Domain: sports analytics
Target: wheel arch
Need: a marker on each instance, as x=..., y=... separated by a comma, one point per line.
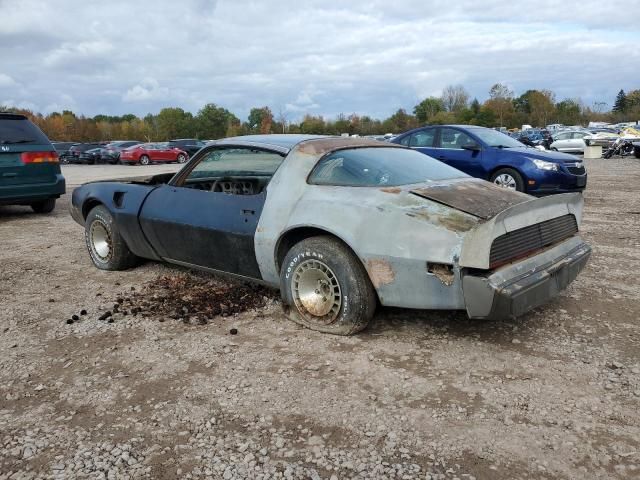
x=510, y=166
x=89, y=204
x=295, y=235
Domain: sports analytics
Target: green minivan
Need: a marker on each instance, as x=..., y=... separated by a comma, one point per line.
x=29, y=169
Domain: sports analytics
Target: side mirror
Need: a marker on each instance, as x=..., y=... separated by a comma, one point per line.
x=471, y=146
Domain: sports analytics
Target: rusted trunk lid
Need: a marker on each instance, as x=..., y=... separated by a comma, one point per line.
x=475, y=197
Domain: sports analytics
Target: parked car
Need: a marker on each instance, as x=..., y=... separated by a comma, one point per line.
x=570, y=141
x=91, y=157
x=490, y=155
x=340, y=224
x=29, y=169
x=79, y=148
x=189, y=145
x=111, y=153
x=62, y=149
x=145, y=153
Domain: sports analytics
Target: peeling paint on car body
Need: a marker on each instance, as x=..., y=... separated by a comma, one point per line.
x=380, y=271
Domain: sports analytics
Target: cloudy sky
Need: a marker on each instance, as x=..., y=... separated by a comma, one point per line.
x=317, y=56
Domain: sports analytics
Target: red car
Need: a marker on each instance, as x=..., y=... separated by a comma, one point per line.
x=145, y=153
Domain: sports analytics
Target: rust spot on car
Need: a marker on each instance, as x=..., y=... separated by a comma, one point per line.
x=457, y=222
x=476, y=197
x=444, y=273
x=380, y=272
x=391, y=190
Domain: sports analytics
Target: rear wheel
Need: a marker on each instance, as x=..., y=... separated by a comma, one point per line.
x=144, y=160
x=508, y=178
x=107, y=249
x=326, y=288
x=44, y=206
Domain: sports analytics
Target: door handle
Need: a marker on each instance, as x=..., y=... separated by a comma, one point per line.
x=248, y=212
x=440, y=157
x=10, y=175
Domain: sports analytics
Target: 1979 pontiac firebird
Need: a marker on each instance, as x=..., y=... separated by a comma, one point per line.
x=340, y=225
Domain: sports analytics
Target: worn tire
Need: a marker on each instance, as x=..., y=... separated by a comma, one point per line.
x=44, y=206
x=357, y=296
x=145, y=160
x=514, y=174
x=117, y=256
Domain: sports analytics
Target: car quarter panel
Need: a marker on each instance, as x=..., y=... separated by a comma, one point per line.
x=124, y=201
x=393, y=232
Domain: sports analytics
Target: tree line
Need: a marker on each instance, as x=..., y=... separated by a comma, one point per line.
x=501, y=109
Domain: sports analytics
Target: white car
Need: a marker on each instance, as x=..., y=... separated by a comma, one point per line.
x=571, y=141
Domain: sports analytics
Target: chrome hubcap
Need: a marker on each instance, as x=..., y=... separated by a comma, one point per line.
x=316, y=292
x=144, y=160
x=100, y=241
x=505, y=180
x=181, y=158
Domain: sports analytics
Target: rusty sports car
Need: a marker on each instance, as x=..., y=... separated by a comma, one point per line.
x=341, y=225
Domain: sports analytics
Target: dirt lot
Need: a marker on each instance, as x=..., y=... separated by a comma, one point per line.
x=555, y=394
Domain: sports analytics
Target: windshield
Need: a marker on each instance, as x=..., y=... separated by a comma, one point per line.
x=379, y=166
x=493, y=138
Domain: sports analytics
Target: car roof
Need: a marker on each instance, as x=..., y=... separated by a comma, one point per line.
x=12, y=116
x=279, y=141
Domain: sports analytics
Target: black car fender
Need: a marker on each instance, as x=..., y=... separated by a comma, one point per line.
x=124, y=201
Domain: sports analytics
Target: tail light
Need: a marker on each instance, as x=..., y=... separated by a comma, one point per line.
x=39, y=157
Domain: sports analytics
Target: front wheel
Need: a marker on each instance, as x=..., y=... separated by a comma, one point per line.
x=325, y=287
x=182, y=158
x=44, y=206
x=144, y=160
x=107, y=249
x=508, y=178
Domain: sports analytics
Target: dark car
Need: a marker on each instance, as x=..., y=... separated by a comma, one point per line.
x=93, y=156
x=111, y=151
x=79, y=148
x=496, y=157
x=62, y=148
x=189, y=145
x=29, y=169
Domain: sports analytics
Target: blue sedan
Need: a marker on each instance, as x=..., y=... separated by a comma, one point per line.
x=491, y=155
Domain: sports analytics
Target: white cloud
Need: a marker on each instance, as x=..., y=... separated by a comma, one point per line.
x=78, y=52
x=148, y=89
x=6, y=80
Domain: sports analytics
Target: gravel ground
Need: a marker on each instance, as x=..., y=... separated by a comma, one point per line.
x=554, y=394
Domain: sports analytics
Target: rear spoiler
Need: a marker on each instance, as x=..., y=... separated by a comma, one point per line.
x=477, y=243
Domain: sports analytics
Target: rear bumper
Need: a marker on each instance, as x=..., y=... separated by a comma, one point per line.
x=20, y=194
x=517, y=288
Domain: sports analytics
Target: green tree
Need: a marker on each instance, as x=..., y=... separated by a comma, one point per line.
x=213, y=121
x=569, y=112
x=400, y=121
x=260, y=120
x=427, y=108
x=174, y=123
x=620, y=105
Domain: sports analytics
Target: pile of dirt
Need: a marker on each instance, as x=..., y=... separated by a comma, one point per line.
x=193, y=298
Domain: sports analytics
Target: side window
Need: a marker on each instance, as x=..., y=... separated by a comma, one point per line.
x=241, y=171
x=452, y=138
x=561, y=136
x=405, y=140
x=579, y=135
x=424, y=138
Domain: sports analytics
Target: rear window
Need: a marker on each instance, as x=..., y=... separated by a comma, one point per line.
x=16, y=130
x=377, y=167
